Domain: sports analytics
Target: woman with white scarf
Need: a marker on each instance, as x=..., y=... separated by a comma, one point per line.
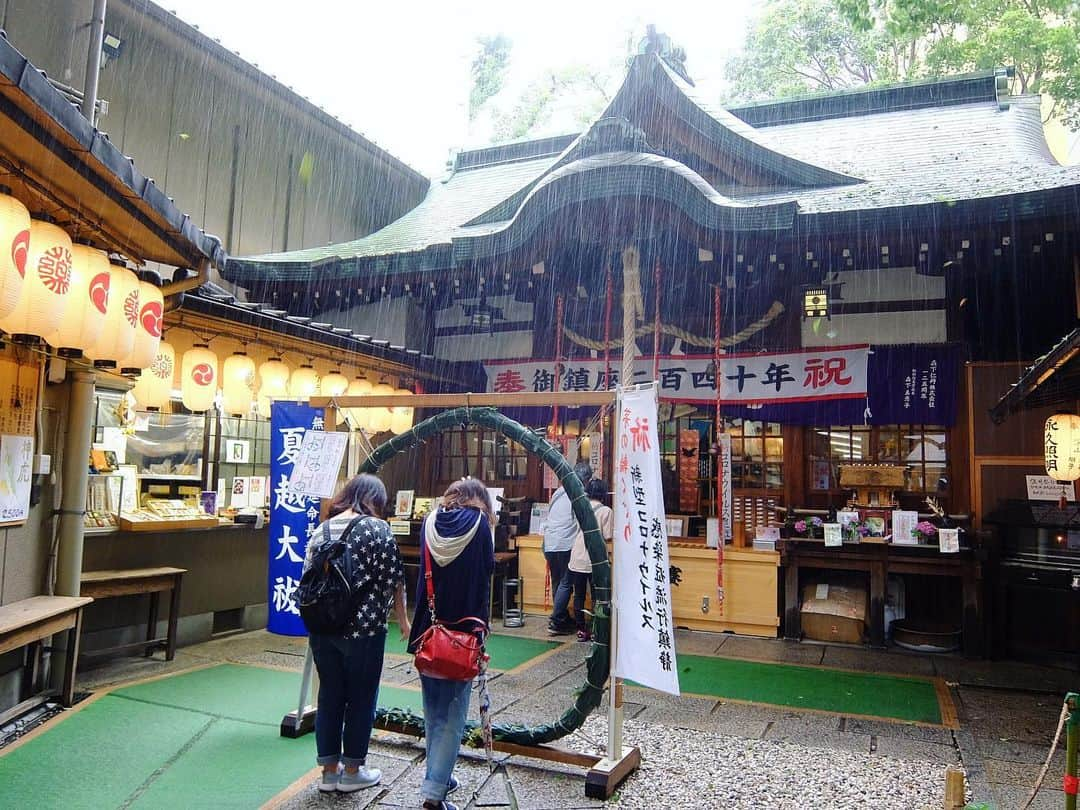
x=459, y=537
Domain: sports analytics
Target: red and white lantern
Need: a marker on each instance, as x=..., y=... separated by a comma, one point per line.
x=14, y=246
x=121, y=318
x=153, y=389
x=147, y=329
x=83, y=319
x=45, y=284
x=198, y=378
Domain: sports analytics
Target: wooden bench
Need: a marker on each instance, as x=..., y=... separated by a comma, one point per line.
x=127, y=582
x=27, y=623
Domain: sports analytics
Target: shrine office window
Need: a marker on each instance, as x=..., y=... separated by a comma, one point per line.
x=483, y=454
x=757, y=454
x=923, y=449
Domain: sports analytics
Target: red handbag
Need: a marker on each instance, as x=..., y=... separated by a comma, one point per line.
x=454, y=655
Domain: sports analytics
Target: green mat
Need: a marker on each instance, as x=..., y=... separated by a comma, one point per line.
x=207, y=738
x=506, y=652
x=866, y=693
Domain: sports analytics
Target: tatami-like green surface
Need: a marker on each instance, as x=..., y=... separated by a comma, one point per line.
x=891, y=697
x=207, y=738
x=506, y=652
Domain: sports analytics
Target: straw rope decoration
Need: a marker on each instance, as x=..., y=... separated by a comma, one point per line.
x=598, y=661
x=678, y=332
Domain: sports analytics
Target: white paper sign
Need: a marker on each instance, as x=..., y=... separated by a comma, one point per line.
x=1045, y=488
x=237, y=451
x=845, y=517
x=538, y=518
x=948, y=541
x=318, y=463
x=16, y=467
x=238, y=498
x=257, y=490
x=833, y=536
x=724, y=460
x=903, y=526
x=645, y=638
x=712, y=532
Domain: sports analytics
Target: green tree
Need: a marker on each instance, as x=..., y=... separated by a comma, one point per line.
x=577, y=90
x=488, y=70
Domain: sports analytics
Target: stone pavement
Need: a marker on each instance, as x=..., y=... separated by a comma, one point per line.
x=1008, y=713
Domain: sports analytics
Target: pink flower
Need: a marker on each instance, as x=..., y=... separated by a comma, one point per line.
x=926, y=528
x=800, y=526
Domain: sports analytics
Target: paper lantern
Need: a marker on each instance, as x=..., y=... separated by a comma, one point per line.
x=83, y=319
x=45, y=284
x=401, y=417
x=273, y=384
x=379, y=418
x=360, y=386
x=198, y=378
x=121, y=318
x=238, y=384
x=14, y=245
x=333, y=384
x=1061, y=447
x=147, y=329
x=154, y=387
x=304, y=383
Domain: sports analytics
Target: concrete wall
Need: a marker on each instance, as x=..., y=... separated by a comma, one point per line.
x=224, y=140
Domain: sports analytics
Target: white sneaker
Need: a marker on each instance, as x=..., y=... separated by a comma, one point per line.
x=329, y=781
x=363, y=778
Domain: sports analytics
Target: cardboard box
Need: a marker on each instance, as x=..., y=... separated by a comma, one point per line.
x=834, y=613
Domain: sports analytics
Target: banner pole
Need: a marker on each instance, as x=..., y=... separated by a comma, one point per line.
x=615, y=690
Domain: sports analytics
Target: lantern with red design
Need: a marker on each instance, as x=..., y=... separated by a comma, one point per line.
x=14, y=245
x=198, y=378
x=121, y=317
x=83, y=319
x=147, y=329
x=45, y=284
x=154, y=387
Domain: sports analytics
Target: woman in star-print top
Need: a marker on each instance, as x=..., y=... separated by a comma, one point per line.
x=350, y=663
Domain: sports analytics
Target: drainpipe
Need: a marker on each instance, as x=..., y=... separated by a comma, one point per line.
x=73, y=481
x=93, y=61
x=202, y=276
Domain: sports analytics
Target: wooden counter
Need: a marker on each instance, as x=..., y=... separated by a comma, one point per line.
x=750, y=586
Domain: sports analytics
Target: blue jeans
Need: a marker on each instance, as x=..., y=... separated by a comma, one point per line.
x=580, y=581
x=349, y=671
x=446, y=706
x=558, y=562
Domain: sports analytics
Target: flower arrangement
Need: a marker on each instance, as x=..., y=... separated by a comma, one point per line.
x=925, y=531
x=805, y=528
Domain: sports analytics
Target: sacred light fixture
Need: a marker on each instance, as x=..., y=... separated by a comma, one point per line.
x=45, y=284
x=379, y=418
x=304, y=382
x=359, y=387
x=83, y=318
x=154, y=387
x=237, y=384
x=198, y=378
x=121, y=318
x=1061, y=446
x=401, y=417
x=147, y=329
x=273, y=384
x=14, y=245
x=815, y=302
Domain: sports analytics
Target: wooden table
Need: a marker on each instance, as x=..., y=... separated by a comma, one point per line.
x=152, y=581
x=878, y=560
x=27, y=623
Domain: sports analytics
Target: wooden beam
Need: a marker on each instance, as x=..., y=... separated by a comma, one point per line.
x=564, y=399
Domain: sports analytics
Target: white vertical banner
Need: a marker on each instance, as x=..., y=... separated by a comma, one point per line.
x=723, y=458
x=644, y=633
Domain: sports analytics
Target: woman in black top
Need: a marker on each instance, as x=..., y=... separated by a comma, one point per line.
x=458, y=536
x=350, y=663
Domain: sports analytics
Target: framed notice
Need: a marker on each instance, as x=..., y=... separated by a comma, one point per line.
x=257, y=491
x=317, y=464
x=833, y=534
x=903, y=526
x=237, y=451
x=1045, y=488
x=948, y=541
x=238, y=499
x=403, y=503
x=16, y=466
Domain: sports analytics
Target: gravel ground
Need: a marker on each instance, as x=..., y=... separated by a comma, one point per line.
x=690, y=768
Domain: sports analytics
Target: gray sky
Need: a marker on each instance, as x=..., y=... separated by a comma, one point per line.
x=398, y=70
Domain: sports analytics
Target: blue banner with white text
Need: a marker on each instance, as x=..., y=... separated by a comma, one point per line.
x=293, y=518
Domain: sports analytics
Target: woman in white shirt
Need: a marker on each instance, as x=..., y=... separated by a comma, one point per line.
x=580, y=566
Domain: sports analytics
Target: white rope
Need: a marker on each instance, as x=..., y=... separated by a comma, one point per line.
x=1046, y=765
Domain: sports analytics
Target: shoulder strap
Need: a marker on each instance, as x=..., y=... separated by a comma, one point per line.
x=428, y=583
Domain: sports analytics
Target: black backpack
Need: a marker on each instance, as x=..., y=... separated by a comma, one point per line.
x=325, y=594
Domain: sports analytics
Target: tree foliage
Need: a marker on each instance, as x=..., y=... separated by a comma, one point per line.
x=805, y=45
x=488, y=70
x=577, y=91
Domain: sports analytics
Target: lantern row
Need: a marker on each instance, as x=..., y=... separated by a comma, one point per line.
x=72, y=295
x=243, y=386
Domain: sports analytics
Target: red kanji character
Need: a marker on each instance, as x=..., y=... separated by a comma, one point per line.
x=509, y=382
x=54, y=269
x=640, y=433
x=823, y=371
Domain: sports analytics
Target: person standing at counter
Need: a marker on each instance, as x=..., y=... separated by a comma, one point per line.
x=559, y=533
x=580, y=567
x=458, y=539
x=350, y=662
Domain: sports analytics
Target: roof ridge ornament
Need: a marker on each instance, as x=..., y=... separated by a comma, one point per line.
x=660, y=44
x=613, y=134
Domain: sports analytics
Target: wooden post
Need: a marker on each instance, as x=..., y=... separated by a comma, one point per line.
x=607, y=328
x=954, y=789
x=558, y=360
x=656, y=323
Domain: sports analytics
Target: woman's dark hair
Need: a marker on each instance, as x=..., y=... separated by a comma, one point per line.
x=469, y=492
x=597, y=490
x=364, y=494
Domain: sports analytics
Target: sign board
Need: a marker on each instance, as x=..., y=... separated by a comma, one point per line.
x=238, y=497
x=538, y=518
x=903, y=526
x=318, y=463
x=645, y=638
x=293, y=515
x=237, y=451
x=833, y=535
x=949, y=541
x=16, y=467
x=1045, y=488
x=723, y=458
